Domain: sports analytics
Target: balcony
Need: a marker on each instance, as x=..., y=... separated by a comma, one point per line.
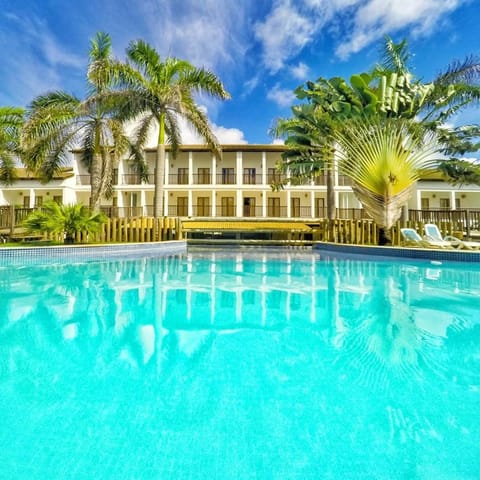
x=226, y=178
x=131, y=179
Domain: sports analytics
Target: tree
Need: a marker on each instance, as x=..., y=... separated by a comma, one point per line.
x=58, y=121
x=384, y=159
x=68, y=220
x=309, y=149
x=11, y=121
x=388, y=92
x=157, y=92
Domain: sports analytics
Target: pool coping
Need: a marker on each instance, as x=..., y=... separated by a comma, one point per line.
x=398, y=252
x=25, y=255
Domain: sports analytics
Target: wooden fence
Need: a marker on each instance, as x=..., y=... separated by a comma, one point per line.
x=136, y=229
x=365, y=232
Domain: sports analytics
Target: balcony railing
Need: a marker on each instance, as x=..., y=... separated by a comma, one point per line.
x=131, y=179
x=275, y=178
x=226, y=178
x=202, y=178
x=178, y=178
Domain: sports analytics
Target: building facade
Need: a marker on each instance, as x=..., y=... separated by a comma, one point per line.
x=239, y=186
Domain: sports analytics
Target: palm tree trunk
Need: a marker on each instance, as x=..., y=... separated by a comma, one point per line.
x=95, y=182
x=159, y=176
x=331, y=207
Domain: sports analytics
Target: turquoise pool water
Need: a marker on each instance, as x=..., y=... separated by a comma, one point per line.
x=240, y=365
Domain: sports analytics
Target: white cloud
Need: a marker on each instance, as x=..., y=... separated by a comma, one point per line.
x=283, y=34
x=225, y=136
x=378, y=17
x=300, y=71
x=290, y=26
x=281, y=96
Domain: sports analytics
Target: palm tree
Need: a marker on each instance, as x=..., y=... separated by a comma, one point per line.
x=157, y=92
x=309, y=149
x=67, y=220
x=384, y=159
x=59, y=121
x=389, y=92
x=11, y=120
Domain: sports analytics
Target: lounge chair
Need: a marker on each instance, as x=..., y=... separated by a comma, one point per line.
x=413, y=239
x=432, y=232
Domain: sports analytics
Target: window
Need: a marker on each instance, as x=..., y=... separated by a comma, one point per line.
x=182, y=176
x=445, y=203
x=249, y=207
x=295, y=207
x=58, y=199
x=227, y=207
x=273, y=207
x=228, y=176
x=26, y=201
x=273, y=175
x=182, y=206
x=320, y=208
x=38, y=201
x=203, y=206
x=425, y=204
x=204, y=176
x=458, y=204
x=249, y=176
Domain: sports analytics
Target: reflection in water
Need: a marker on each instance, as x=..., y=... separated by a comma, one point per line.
x=330, y=361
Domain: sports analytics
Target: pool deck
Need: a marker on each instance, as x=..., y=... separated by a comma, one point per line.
x=398, y=252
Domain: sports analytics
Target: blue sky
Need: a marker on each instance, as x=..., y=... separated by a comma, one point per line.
x=260, y=49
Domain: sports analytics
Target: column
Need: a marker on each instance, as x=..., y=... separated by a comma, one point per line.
x=264, y=170
x=312, y=204
x=166, y=199
x=264, y=204
x=289, y=204
x=143, y=203
x=239, y=168
x=190, y=169
x=214, y=170
x=239, y=203
x=214, y=203
x=167, y=168
x=190, y=202
x=418, y=205
x=453, y=203
x=31, y=192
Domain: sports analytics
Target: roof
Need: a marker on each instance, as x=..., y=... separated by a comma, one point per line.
x=242, y=226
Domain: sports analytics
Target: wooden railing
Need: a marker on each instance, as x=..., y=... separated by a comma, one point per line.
x=135, y=229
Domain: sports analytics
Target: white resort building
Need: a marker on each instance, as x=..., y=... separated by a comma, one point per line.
x=239, y=186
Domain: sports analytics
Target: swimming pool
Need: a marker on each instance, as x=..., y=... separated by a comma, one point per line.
x=240, y=364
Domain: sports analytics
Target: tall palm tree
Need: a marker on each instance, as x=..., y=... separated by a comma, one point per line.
x=11, y=121
x=59, y=121
x=309, y=148
x=160, y=92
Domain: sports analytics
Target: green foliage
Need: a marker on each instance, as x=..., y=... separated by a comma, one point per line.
x=57, y=122
x=388, y=95
x=384, y=159
x=461, y=172
x=11, y=121
x=67, y=220
x=159, y=93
